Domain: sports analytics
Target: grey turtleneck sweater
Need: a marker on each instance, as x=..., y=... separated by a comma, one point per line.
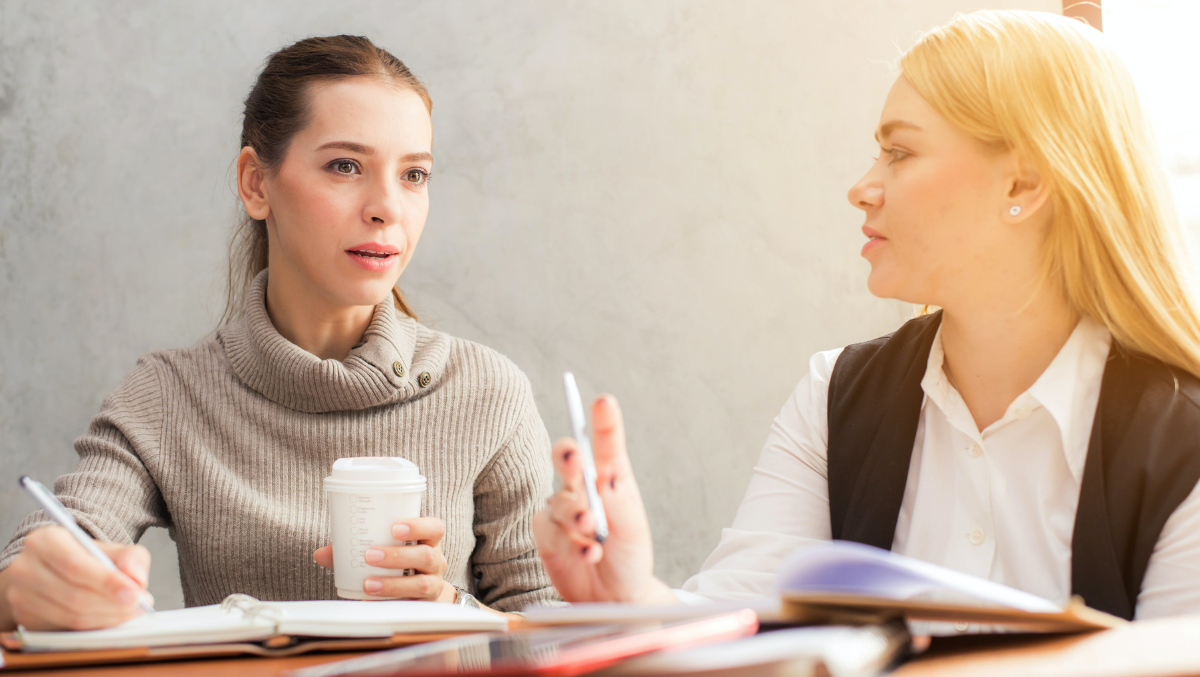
x=226, y=443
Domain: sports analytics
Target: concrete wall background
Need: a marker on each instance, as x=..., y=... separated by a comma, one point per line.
x=649, y=194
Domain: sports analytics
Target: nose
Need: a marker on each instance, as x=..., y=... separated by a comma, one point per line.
x=384, y=203
x=867, y=193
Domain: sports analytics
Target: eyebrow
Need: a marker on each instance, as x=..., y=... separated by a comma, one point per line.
x=367, y=150
x=886, y=129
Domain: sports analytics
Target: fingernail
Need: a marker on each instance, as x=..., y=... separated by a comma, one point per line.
x=374, y=555
x=372, y=585
x=399, y=531
x=126, y=596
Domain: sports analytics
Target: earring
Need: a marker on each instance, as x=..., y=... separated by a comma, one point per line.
x=1014, y=210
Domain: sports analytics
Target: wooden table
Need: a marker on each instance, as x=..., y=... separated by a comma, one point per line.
x=1169, y=647
x=194, y=668
x=1159, y=648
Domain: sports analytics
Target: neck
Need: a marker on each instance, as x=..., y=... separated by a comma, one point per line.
x=310, y=320
x=996, y=349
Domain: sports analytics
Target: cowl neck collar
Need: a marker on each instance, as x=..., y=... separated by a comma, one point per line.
x=378, y=371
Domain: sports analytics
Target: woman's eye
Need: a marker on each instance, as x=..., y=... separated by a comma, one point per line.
x=895, y=153
x=416, y=176
x=344, y=166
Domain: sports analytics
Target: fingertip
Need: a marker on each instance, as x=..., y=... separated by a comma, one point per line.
x=606, y=413
x=592, y=552
x=564, y=449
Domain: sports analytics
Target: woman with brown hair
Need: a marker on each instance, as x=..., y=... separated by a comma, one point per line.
x=318, y=357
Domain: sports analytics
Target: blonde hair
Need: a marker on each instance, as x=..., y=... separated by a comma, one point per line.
x=1048, y=88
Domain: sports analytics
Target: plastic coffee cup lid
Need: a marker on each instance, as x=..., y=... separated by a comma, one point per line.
x=375, y=472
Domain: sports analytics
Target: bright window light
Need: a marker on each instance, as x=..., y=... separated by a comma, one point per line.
x=1157, y=40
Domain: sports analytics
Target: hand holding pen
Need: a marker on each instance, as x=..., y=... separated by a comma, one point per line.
x=62, y=579
x=621, y=568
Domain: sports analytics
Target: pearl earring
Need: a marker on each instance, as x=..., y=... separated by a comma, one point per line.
x=1014, y=210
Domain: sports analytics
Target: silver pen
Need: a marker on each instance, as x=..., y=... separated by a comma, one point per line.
x=58, y=512
x=578, y=425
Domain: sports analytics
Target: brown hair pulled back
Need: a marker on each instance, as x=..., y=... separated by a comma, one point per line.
x=276, y=109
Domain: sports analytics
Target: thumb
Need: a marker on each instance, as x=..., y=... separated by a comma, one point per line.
x=133, y=560
x=324, y=556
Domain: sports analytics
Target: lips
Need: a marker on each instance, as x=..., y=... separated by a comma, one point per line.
x=874, y=239
x=872, y=234
x=374, y=256
x=370, y=254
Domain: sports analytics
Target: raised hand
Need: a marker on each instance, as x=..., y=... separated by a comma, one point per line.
x=622, y=568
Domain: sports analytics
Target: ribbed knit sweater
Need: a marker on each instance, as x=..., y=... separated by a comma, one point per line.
x=226, y=444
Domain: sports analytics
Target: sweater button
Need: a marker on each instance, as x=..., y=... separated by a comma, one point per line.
x=398, y=368
x=424, y=379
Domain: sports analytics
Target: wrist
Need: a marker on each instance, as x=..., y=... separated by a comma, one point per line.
x=7, y=622
x=449, y=594
x=655, y=592
x=465, y=599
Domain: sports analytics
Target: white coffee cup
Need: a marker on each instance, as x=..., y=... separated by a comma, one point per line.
x=366, y=497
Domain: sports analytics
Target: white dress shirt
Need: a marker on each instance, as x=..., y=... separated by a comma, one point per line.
x=999, y=503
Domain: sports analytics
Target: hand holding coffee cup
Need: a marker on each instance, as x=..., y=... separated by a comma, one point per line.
x=382, y=548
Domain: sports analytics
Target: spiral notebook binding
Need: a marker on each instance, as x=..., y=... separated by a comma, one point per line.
x=253, y=609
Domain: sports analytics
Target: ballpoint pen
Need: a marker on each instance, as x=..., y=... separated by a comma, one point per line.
x=578, y=424
x=58, y=512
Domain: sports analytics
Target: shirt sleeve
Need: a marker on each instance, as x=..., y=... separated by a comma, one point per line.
x=787, y=502
x=1171, y=586
x=111, y=493
x=508, y=493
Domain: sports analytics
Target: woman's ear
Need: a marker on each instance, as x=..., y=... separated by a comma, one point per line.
x=1027, y=191
x=251, y=186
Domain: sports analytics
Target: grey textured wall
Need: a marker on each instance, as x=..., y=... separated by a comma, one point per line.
x=648, y=193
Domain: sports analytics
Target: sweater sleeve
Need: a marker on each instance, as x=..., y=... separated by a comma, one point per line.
x=111, y=493
x=508, y=493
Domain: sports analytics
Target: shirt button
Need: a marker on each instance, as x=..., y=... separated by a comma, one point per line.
x=424, y=379
x=398, y=368
x=961, y=626
x=976, y=536
x=975, y=451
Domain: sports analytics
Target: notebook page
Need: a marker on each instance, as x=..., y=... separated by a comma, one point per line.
x=350, y=618
x=198, y=625
x=856, y=569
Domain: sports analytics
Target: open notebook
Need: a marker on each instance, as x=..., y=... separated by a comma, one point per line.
x=842, y=581
x=242, y=624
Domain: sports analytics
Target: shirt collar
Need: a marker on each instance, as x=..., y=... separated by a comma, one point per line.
x=1069, y=390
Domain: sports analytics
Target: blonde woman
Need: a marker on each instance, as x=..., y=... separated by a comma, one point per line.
x=1042, y=429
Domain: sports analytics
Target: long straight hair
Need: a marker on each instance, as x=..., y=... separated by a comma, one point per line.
x=276, y=109
x=1051, y=90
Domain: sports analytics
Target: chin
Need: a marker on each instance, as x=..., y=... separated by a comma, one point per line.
x=879, y=284
x=364, y=293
